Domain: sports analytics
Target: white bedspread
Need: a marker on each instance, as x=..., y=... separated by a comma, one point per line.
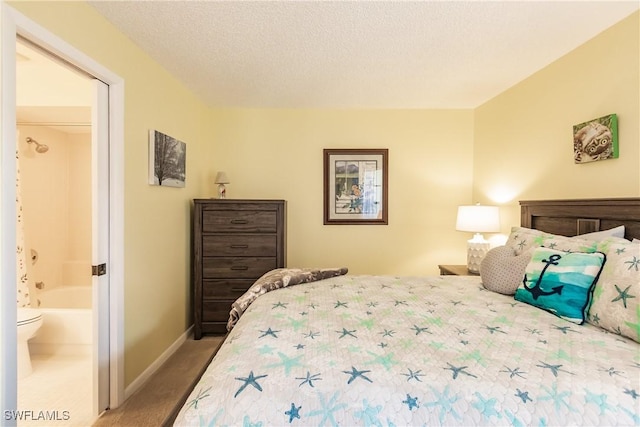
x=441, y=350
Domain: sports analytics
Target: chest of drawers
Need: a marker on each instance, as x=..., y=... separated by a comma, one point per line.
x=234, y=243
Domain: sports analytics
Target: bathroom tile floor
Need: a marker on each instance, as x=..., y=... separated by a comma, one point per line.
x=57, y=393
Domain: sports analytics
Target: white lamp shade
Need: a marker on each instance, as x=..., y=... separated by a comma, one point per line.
x=478, y=219
x=221, y=178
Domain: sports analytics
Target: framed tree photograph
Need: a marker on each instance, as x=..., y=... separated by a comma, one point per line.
x=167, y=158
x=355, y=186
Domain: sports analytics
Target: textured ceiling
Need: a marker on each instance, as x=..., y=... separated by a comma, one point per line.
x=357, y=54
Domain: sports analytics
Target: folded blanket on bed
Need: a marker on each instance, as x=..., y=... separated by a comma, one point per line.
x=276, y=279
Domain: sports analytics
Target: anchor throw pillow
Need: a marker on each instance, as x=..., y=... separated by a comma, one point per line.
x=561, y=282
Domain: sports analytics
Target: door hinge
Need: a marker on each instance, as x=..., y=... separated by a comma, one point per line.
x=99, y=270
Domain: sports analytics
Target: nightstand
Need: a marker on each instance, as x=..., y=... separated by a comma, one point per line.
x=455, y=270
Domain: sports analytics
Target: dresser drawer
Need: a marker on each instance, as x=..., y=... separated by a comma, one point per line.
x=216, y=310
x=225, y=288
x=235, y=241
x=251, y=221
x=239, y=244
x=236, y=267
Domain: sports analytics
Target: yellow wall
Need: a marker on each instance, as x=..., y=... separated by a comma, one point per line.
x=157, y=219
x=278, y=154
x=523, y=146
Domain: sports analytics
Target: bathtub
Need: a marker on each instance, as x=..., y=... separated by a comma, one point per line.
x=67, y=322
x=65, y=297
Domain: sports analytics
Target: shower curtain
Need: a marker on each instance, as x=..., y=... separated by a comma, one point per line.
x=23, y=298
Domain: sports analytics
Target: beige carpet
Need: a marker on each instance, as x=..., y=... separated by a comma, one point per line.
x=157, y=403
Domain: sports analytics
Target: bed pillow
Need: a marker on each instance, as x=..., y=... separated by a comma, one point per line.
x=616, y=296
x=502, y=270
x=612, y=232
x=523, y=239
x=561, y=282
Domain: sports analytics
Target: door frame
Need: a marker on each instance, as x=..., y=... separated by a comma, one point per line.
x=15, y=24
x=100, y=244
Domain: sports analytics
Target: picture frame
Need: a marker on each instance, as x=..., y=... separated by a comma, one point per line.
x=356, y=189
x=596, y=140
x=167, y=160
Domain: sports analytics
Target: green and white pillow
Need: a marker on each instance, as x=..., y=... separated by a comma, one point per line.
x=503, y=268
x=523, y=239
x=561, y=282
x=616, y=297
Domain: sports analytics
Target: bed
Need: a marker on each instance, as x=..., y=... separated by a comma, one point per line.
x=442, y=350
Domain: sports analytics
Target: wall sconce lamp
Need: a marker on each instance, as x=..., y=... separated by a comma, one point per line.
x=477, y=219
x=221, y=180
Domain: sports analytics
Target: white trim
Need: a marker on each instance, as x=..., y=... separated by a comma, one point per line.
x=142, y=379
x=116, y=242
x=8, y=306
x=14, y=23
x=100, y=198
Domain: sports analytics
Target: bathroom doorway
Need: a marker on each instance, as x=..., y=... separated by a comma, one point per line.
x=108, y=135
x=54, y=162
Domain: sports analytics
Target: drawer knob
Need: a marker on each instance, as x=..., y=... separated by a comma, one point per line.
x=239, y=246
x=239, y=221
x=239, y=267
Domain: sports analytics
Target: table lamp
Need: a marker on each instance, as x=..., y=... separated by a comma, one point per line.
x=221, y=180
x=477, y=219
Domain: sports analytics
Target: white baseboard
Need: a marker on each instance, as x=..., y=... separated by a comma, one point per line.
x=148, y=373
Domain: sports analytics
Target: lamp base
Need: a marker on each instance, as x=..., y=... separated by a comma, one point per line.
x=477, y=249
x=222, y=191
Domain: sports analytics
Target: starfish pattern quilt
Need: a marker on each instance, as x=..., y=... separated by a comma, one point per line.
x=412, y=351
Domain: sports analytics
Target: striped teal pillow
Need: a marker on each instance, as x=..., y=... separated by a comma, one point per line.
x=561, y=282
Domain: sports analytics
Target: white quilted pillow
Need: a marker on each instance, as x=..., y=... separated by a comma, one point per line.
x=612, y=232
x=502, y=270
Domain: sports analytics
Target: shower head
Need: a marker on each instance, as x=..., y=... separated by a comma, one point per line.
x=40, y=148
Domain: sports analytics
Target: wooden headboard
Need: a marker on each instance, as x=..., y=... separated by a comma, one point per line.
x=572, y=217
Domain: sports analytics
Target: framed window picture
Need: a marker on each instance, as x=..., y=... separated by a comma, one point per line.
x=356, y=186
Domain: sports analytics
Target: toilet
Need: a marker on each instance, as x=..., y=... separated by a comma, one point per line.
x=29, y=321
